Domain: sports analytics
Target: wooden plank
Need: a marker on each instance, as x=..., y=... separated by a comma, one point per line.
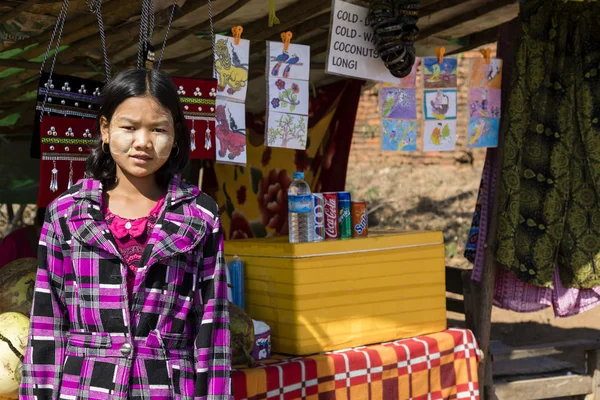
x=454, y=282
x=476, y=40
x=465, y=17
x=530, y=366
x=15, y=11
x=544, y=388
x=490, y=20
x=427, y=10
x=547, y=349
x=30, y=65
x=455, y=305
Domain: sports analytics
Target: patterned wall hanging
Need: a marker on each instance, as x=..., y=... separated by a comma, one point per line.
x=484, y=101
x=65, y=143
x=398, y=106
x=198, y=101
x=68, y=96
x=287, y=71
x=439, y=102
x=232, y=56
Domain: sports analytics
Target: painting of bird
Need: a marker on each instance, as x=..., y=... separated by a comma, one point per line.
x=294, y=60
x=280, y=59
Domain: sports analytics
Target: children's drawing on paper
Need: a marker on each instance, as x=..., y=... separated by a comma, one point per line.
x=483, y=132
x=288, y=95
x=231, y=132
x=410, y=81
x=291, y=63
x=231, y=67
x=440, y=135
x=287, y=130
x=484, y=75
x=398, y=135
x=436, y=75
x=484, y=103
x=398, y=103
x=440, y=104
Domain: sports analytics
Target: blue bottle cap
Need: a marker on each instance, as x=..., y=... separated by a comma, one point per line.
x=299, y=175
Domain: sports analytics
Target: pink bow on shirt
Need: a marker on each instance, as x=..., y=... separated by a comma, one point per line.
x=122, y=227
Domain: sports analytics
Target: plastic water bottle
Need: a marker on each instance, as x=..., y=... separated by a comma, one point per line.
x=300, y=210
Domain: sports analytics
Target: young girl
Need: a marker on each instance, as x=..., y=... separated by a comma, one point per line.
x=131, y=293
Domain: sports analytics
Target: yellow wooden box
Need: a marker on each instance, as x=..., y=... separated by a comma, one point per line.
x=338, y=294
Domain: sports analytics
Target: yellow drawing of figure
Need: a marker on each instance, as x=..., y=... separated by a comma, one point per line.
x=436, y=71
x=479, y=129
x=229, y=72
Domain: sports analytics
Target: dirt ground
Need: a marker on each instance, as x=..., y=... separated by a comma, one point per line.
x=442, y=197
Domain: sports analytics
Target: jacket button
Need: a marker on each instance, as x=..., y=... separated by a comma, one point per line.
x=126, y=349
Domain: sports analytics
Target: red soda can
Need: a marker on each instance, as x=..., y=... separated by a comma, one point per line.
x=331, y=212
x=360, y=219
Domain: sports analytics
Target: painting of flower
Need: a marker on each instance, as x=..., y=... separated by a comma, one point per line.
x=288, y=95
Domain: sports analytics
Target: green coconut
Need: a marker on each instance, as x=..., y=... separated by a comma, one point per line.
x=242, y=336
x=17, y=284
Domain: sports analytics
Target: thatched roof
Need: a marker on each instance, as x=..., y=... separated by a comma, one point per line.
x=458, y=25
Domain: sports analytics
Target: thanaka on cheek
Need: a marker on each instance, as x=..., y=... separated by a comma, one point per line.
x=163, y=145
x=121, y=142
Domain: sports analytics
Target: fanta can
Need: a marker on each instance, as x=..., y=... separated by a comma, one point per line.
x=360, y=219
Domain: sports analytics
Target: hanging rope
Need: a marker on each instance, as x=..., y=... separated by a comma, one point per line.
x=63, y=10
x=95, y=8
x=212, y=34
x=60, y=24
x=146, y=31
x=167, y=33
x=142, y=37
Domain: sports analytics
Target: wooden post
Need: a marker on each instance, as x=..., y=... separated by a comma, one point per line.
x=593, y=370
x=509, y=37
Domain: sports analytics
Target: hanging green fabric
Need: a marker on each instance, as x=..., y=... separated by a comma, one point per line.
x=550, y=188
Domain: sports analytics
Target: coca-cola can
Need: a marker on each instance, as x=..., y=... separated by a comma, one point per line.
x=331, y=211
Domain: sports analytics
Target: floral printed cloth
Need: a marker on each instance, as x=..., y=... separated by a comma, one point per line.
x=549, y=211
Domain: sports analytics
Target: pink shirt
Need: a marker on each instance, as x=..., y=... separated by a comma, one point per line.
x=131, y=236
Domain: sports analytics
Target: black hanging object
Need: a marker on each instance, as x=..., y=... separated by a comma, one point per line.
x=149, y=56
x=395, y=25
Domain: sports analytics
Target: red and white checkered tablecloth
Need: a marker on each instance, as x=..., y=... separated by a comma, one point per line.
x=437, y=366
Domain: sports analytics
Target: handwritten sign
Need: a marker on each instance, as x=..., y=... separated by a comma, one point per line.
x=352, y=45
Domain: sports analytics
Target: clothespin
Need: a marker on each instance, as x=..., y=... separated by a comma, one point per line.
x=273, y=20
x=439, y=52
x=286, y=38
x=487, y=54
x=236, y=31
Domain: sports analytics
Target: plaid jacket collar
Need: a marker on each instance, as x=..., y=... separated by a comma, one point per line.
x=179, y=228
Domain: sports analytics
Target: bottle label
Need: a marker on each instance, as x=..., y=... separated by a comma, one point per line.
x=300, y=204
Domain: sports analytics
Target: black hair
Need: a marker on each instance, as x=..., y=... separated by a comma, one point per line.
x=39, y=216
x=140, y=83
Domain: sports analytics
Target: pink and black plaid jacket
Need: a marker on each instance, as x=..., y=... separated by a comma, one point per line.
x=87, y=342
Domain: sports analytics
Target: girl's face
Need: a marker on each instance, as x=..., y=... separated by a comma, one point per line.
x=141, y=136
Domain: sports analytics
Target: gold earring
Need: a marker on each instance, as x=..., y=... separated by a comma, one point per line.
x=104, y=151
